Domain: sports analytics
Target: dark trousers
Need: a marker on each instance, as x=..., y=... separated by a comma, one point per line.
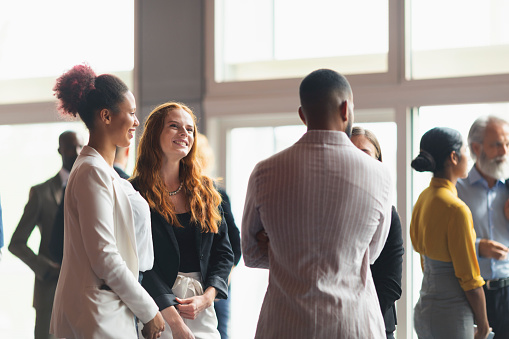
x=497, y=306
x=222, y=308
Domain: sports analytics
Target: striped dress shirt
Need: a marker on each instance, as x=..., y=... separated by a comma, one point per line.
x=326, y=207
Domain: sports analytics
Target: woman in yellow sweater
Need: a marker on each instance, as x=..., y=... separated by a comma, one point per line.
x=442, y=232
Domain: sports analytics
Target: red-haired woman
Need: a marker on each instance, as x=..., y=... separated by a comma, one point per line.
x=98, y=294
x=193, y=256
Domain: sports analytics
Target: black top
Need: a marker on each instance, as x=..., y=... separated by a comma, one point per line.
x=233, y=230
x=189, y=260
x=386, y=271
x=213, y=250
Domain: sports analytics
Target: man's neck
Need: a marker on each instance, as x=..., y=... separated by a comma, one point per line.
x=490, y=180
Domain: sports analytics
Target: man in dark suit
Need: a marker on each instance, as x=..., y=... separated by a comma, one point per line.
x=40, y=211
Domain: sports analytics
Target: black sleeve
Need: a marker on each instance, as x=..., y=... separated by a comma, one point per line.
x=159, y=280
x=220, y=262
x=233, y=230
x=387, y=269
x=158, y=289
x=56, y=242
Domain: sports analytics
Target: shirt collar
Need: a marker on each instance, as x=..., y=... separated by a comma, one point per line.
x=326, y=137
x=474, y=177
x=443, y=183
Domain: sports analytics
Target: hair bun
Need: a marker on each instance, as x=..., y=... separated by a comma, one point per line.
x=424, y=162
x=72, y=88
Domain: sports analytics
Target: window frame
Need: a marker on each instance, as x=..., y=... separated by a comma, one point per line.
x=227, y=103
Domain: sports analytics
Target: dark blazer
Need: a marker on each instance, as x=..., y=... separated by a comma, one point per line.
x=121, y=172
x=233, y=230
x=386, y=272
x=40, y=211
x=216, y=261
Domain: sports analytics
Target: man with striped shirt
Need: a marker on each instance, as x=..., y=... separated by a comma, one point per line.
x=326, y=208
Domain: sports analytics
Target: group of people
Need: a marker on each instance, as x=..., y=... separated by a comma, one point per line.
x=460, y=229
x=149, y=256
x=318, y=213
x=145, y=257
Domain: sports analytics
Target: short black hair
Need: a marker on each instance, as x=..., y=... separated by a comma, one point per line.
x=317, y=88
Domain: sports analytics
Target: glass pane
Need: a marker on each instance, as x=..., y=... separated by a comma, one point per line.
x=268, y=39
x=465, y=38
x=54, y=35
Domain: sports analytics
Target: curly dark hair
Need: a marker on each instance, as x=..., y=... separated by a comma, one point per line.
x=81, y=92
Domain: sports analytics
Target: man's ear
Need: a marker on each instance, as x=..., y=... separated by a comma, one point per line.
x=301, y=116
x=476, y=148
x=343, y=110
x=105, y=116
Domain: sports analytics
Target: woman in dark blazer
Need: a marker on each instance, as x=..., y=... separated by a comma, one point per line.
x=386, y=270
x=193, y=255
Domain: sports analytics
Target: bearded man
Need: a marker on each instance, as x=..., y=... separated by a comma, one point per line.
x=485, y=193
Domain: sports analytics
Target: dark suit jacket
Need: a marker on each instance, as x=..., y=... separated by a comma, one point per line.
x=233, y=230
x=121, y=172
x=216, y=261
x=386, y=273
x=39, y=211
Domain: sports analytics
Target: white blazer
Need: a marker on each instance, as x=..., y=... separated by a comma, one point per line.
x=99, y=248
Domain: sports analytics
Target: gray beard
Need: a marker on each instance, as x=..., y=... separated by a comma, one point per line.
x=497, y=168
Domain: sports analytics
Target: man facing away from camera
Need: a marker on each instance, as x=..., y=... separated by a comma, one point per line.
x=326, y=209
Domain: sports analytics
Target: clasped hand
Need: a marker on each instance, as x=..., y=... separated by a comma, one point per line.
x=189, y=308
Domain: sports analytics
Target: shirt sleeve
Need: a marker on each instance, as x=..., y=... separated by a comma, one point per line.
x=461, y=242
x=251, y=225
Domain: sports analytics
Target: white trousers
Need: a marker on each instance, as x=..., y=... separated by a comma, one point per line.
x=205, y=325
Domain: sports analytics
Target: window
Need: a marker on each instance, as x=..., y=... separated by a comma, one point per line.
x=269, y=39
x=459, y=38
x=40, y=40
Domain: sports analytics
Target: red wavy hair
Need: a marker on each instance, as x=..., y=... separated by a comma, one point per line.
x=202, y=196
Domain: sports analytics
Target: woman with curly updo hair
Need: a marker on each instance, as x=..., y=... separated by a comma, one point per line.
x=193, y=256
x=106, y=222
x=442, y=232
